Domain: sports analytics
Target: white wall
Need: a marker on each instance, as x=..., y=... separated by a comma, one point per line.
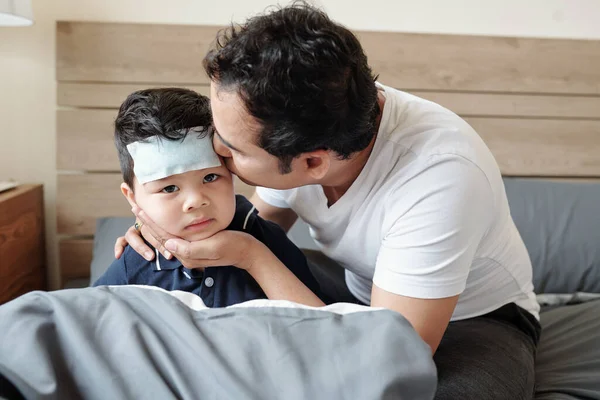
x=27, y=55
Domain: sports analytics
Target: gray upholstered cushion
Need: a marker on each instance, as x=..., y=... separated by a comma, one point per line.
x=107, y=232
x=568, y=357
x=560, y=224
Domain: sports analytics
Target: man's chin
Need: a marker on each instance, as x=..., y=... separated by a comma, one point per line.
x=247, y=182
x=266, y=185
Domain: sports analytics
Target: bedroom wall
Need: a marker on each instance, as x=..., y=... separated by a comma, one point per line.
x=27, y=56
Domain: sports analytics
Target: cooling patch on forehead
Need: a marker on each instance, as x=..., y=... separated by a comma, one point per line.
x=155, y=158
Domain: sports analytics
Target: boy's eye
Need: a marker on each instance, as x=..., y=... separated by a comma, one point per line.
x=210, y=178
x=170, y=189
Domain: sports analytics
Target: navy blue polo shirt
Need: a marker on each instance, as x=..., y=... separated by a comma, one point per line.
x=217, y=286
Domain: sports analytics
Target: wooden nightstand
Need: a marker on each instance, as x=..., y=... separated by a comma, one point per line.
x=22, y=244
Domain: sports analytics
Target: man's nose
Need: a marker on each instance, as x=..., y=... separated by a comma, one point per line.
x=220, y=148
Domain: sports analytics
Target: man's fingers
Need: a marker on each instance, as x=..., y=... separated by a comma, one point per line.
x=161, y=248
x=156, y=230
x=179, y=247
x=152, y=232
x=193, y=254
x=133, y=238
x=120, y=246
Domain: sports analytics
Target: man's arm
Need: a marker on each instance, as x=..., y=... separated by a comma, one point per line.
x=287, y=252
x=277, y=281
x=429, y=317
x=433, y=233
x=284, y=217
x=244, y=251
x=241, y=250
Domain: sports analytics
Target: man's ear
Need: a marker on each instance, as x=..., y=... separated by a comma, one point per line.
x=316, y=163
x=128, y=193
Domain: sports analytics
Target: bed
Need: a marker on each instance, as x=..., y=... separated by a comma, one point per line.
x=535, y=102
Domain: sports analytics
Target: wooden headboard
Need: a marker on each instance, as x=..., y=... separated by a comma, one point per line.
x=535, y=102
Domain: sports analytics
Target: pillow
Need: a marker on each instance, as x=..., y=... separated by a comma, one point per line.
x=559, y=222
x=567, y=364
x=107, y=231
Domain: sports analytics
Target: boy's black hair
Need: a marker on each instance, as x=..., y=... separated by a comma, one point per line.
x=305, y=79
x=165, y=112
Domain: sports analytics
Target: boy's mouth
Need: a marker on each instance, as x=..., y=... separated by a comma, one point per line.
x=199, y=224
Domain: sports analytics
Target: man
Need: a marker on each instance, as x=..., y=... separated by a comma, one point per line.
x=400, y=192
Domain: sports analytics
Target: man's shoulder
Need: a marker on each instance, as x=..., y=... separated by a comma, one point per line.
x=422, y=126
x=416, y=134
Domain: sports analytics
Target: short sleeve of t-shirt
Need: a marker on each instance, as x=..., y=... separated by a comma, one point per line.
x=276, y=198
x=434, y=223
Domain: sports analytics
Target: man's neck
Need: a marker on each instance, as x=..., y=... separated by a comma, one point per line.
x=346, y=172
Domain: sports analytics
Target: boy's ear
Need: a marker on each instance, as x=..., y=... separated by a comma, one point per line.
x=316, y=163
x=128, y=193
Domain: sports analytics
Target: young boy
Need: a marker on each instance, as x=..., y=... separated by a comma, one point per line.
x=170, y=170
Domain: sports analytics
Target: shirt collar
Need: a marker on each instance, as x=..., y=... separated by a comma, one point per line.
x=161, y=263
x=245, y=215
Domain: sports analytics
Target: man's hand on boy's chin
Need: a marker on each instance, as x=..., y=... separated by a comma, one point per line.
x=222, y=249
x=153, y=233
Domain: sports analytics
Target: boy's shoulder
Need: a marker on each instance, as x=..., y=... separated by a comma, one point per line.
x=246, y=215
x=133, y=259
x=242, y=204
x=247, y=219
x=121, y=269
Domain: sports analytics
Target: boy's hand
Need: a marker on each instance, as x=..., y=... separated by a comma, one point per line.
x=149, y=231
x=223, y=248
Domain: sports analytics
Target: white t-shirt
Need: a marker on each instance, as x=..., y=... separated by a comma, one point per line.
x=427, y=217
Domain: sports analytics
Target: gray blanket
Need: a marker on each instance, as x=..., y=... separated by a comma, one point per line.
x=138, y=343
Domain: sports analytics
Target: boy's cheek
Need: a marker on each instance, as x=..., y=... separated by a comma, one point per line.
x=165, y=218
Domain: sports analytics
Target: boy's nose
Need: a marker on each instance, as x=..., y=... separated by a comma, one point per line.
x=195, y=200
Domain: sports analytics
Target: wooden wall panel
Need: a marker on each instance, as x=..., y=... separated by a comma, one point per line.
x=479, y=63
x=75, y=258
x=106, y=95
x=538, y=147
x=83, y=198
x=516, y=105
x=85, y=140
x=113, y=52
x=97, y=95
x=142, y=53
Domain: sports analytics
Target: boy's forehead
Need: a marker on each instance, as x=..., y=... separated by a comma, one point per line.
x=190, y=174
x=156, y=158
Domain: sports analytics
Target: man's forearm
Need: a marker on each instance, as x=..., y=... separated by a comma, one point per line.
x=276, y=280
